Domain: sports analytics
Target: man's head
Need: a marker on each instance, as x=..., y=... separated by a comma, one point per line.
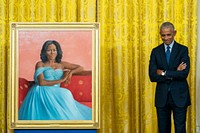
x=167, y=32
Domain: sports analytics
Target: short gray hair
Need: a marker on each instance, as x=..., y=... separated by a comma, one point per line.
x=167, y=25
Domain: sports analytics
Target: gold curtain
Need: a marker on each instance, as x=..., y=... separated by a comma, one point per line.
x=129, y=30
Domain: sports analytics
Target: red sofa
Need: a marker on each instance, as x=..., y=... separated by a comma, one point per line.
x=80, y=86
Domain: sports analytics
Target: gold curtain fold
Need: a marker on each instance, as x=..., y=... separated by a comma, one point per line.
x=128, y=32
x=3, y=64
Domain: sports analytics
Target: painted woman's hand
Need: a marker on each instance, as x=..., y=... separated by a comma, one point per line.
x=67, y=76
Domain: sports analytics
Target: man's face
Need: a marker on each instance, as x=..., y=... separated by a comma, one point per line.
x=167, y=35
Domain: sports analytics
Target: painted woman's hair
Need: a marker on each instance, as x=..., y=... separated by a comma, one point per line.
x=43, y=56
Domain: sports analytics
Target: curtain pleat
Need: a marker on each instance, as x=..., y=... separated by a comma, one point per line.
x=3, y=64
x=68, y=10
x=129, y=30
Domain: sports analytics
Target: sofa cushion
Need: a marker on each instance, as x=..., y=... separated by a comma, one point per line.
x=81, y=87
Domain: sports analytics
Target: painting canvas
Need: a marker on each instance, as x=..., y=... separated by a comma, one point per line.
x=57, y=103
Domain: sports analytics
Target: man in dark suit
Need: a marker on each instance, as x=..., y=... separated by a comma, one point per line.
x=169, y=66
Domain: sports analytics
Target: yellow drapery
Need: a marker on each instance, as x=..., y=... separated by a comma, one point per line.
x=129, y=30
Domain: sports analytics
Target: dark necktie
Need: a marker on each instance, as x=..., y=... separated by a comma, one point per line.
x=168, y=54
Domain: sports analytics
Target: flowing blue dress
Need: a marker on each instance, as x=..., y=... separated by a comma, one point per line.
x=52, y=102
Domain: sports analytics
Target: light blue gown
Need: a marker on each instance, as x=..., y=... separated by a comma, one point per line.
x=52, y=102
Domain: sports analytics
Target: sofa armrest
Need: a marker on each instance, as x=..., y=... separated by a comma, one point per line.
x=84, y=73
x=24, y=86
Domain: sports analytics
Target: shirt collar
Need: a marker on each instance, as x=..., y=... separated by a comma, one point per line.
x=171, y=45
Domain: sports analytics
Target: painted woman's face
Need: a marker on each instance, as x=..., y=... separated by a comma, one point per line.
x=51, y=52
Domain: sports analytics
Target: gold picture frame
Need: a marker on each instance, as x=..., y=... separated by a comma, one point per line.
x=23, y=34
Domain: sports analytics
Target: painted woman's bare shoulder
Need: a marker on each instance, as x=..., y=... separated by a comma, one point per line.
x=64, y=64
x=39, y=64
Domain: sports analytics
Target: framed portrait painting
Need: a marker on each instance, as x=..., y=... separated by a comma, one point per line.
x=54, y=76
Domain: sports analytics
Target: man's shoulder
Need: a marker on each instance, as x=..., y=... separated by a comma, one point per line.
x=180, y=45
x=160, y=46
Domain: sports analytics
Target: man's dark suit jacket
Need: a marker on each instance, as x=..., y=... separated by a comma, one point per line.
x=173, y=80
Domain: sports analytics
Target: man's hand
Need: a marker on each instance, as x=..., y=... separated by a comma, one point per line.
x=159, y=72
x=182, y=66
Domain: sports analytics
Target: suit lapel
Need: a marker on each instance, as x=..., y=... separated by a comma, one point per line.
x=173, y=53
x=163, y=55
